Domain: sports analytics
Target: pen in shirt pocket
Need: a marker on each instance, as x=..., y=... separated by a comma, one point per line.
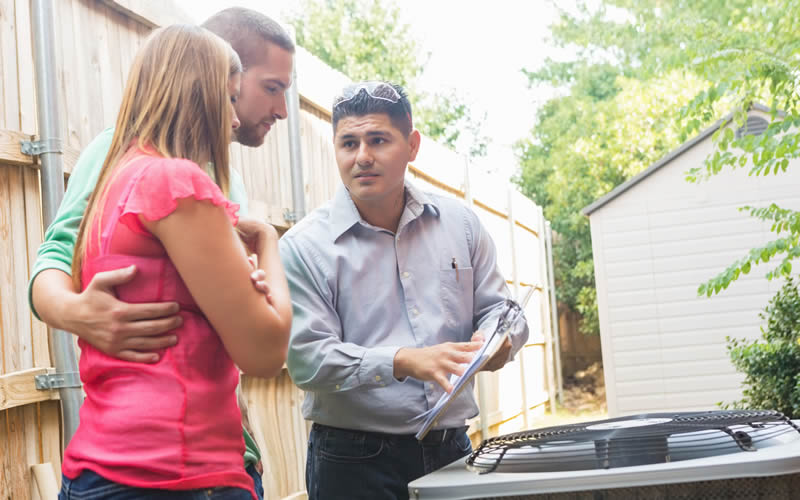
x=454, y=265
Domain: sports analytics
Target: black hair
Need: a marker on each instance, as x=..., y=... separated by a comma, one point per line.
x=362, y=104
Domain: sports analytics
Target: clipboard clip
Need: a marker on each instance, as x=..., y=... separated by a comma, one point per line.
x=512, y=310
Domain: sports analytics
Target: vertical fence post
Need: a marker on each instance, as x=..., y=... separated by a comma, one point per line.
x=295, y=146
x=483, y=390
x=545, y=311
x=551, y=280
x=515, y=276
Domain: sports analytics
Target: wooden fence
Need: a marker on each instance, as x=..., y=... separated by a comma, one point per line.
x=95, y=42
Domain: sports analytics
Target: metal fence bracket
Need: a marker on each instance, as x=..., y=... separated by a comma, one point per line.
x=289, y=215
x=57, y=381
x=36, y=148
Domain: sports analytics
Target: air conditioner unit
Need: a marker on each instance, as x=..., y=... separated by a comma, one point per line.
x=716, y=455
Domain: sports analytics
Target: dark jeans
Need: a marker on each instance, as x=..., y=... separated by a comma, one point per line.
x=344, y=464
x=92, y=486
x=259, y=487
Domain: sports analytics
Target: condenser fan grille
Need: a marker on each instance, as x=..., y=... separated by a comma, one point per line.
x=633, y=440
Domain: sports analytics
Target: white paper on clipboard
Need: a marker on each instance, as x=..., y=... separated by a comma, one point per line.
x=511, y=313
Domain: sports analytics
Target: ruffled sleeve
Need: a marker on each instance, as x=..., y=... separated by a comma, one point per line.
x=158, y=185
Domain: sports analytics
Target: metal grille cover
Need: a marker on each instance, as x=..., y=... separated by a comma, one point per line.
x=719, y=468
x=633, y=440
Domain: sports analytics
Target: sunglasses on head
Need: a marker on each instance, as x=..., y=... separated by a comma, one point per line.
x=376, y=90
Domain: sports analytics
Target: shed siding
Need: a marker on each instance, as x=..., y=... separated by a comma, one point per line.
x=664, y=347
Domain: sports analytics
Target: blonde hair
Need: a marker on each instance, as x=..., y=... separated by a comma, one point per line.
x=176, y=104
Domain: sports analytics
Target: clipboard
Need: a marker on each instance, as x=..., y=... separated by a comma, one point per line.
x=511, y=313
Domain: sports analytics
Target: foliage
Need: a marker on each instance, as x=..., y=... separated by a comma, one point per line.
x=753, y=58
x=446, y=117
x=772, y=364
x=749, y=50
x=368, y=40
x=609, y=128
x=706, y=57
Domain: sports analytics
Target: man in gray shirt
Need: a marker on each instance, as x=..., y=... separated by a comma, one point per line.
x=391, y=287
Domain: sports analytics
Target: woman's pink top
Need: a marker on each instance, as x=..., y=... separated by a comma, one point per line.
x=174, y=424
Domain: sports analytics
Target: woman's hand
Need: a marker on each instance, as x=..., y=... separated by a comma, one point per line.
x=256, y=234
x=259, y=277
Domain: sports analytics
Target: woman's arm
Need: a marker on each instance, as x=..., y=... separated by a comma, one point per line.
x=211, y=260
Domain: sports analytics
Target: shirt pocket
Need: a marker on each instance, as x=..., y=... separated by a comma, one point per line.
x=457, y=298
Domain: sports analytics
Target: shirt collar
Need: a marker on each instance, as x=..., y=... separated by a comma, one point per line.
x=417, y=200
x=344, y=213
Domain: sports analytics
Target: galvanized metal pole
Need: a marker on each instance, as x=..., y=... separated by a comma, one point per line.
x=515, y=276
x=295, y=148
x=551, y=278
x=52, y=180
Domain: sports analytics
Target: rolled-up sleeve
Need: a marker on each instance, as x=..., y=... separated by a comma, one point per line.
x=318, y=359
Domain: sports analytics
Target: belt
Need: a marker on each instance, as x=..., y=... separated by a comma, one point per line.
x=437, y=436
x=443, y=435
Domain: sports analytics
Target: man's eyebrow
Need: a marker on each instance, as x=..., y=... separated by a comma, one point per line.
x=371, y=133
x=275, y=81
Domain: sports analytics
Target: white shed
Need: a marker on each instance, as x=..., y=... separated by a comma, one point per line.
x=655, y=239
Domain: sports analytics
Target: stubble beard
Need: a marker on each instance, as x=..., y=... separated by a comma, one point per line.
x=249, y=136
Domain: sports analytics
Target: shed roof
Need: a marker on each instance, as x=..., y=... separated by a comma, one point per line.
x=644, y=174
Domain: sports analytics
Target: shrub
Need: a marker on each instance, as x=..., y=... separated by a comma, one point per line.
x=771, y=364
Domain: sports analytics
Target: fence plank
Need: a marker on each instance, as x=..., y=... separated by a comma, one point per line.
x=71, y=85
x=9, y=108
x=270, y=213
x=4, y=458
x=30, y=425
x=86, y=101
x=279, y=431
x=95, y=40
x=7, y=292
x=110, y=63
x=18, y=389
x=10, y=152
x=18, y=471
x=21, y=334
x=25, y=73
x=33, y=229
x=152, y=13
x=50, y=424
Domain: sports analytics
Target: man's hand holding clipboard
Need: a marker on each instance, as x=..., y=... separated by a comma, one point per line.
x=492, y=350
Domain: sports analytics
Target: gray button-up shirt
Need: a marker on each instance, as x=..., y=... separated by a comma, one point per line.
x=360, y=293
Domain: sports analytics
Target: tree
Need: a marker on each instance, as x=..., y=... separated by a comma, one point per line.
x=367, y=40
x=747, y=51
x=607, y=129
x=704, y=58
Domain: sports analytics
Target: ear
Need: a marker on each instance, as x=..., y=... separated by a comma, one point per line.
x=414, y=139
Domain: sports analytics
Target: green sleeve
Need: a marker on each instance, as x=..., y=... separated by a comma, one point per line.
x=238, y=192
x=59, y=239
x=251, y=453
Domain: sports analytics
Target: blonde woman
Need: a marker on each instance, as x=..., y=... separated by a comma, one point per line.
x=172, y=429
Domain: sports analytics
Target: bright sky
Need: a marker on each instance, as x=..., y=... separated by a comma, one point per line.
x=475, y=49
